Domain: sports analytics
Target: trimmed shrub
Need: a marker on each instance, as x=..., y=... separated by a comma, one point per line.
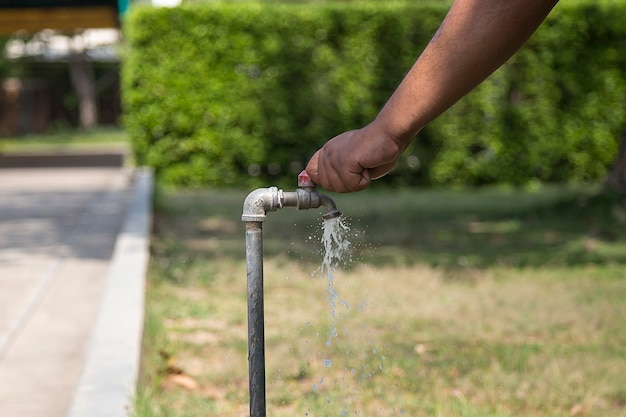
x=243, y=94
x=554, y=112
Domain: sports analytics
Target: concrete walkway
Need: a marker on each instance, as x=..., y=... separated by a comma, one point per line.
x=73, y=253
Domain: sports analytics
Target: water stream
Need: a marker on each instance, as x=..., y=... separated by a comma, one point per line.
x=336, y=252
x=340, y=385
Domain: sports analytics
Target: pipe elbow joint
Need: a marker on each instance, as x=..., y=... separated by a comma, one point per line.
x=259, y=202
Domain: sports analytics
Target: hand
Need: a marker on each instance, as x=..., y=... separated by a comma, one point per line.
x=350, y=161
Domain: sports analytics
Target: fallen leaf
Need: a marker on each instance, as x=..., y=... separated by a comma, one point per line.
x=183, y=381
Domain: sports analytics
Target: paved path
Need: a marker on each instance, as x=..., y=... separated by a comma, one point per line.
x=58, y=231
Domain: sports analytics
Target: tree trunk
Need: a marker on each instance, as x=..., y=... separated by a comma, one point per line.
x=83, y=80
x=616, y=178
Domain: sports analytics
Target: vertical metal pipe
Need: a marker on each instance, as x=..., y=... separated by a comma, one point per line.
x=256, y=318
x=255, y=209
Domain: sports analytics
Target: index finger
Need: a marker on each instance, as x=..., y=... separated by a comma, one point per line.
x=312, y=167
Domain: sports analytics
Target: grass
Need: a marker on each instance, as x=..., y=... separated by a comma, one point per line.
x=66, y=140
x=492, y=303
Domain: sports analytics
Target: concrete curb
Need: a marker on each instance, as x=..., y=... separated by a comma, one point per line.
x=109, y=377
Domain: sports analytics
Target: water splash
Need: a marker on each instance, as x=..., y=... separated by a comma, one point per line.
x=336, y=244
x=343, y=380
x=336, y=252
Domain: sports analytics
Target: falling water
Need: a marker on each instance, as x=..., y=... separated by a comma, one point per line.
x=342, y=380
x=336, y=252
x=335, y=239
x=336, y=243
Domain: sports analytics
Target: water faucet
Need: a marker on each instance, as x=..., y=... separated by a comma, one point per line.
x=263, y=200
x=255, y=208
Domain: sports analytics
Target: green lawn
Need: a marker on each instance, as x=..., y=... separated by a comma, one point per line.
x=67, y=140
x=491, y=302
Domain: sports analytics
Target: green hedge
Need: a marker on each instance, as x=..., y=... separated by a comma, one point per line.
x=243, y=94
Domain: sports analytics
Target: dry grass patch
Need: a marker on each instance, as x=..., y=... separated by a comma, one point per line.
x=404, y=338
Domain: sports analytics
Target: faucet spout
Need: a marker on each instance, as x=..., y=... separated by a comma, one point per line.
x=307, y=197
x=331, y=208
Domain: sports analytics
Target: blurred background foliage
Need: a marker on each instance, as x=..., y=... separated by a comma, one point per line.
x=242, y=94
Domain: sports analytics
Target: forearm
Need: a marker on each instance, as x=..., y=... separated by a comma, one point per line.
x=475, y=38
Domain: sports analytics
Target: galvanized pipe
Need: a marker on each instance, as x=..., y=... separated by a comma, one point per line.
x=255, y=208
x=256, y=317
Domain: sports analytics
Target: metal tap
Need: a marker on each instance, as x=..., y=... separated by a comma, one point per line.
x=263, y=200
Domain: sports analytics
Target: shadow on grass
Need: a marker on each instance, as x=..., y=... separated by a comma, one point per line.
x=554, y=225
x=490, y=227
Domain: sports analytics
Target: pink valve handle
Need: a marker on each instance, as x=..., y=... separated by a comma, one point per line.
x=304, y=180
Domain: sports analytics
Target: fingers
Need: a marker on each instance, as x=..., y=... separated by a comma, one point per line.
x=350, y=161
x=348, y=183
x=337, y=176
x=364, y=181
x=312, y=168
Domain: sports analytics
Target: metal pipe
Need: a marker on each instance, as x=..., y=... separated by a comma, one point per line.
x=256, y=317
x=259, y=202
x=304, y=199
x=255, y=208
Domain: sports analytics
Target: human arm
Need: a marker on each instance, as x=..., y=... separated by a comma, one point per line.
x=475, y=38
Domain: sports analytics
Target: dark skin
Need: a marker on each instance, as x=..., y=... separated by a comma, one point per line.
x=475, y=38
